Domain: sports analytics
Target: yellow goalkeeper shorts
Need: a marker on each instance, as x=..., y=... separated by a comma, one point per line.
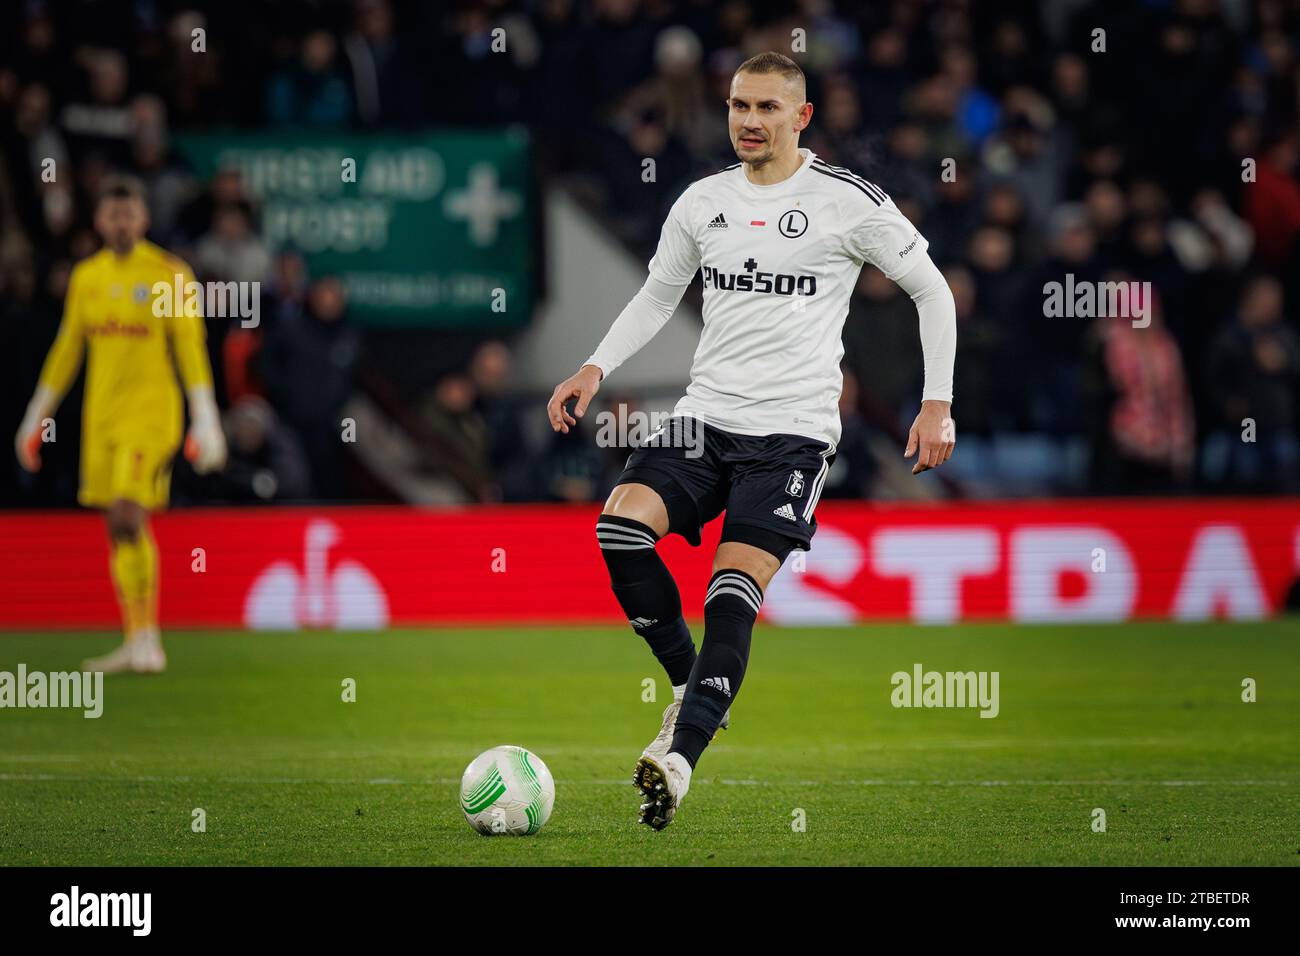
x=139, y=471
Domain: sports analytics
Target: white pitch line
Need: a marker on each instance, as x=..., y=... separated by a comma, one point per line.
x=726, y=782
x=739, y=750
x=1069, y=783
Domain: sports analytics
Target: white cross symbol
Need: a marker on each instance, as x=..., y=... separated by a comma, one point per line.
x=483, y=205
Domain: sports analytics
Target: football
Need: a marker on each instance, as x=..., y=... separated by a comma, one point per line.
x=507, y=791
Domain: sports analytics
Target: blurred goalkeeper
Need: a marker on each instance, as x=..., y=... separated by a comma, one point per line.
x=133, y=415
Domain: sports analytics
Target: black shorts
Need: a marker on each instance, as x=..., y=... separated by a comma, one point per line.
x=768, y=485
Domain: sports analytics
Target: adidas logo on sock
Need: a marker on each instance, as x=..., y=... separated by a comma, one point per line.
x=719, y=222
x=643, y=621
x=718, y=683
x=785, y=511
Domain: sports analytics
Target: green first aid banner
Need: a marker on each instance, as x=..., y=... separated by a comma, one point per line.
x=430, y=229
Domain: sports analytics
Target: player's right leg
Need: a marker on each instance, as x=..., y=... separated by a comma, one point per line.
x=672, y=484
x=632, y=522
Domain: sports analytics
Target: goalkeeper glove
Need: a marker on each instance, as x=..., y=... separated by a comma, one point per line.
x=205, y=446
x=27, y=443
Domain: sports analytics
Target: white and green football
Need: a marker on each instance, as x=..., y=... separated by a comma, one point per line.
x=507, y=790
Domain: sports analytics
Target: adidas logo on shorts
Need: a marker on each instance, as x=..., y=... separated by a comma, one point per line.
x=643, y=621
x=785, y=511
x=718, y=683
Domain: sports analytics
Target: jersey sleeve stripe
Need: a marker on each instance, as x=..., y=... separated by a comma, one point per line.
x=872, y=187
x=847, y=172
x=873, y=190
x=844, y=179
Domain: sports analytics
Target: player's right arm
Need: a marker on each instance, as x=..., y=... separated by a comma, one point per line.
x=60, y=368
x=675, y=262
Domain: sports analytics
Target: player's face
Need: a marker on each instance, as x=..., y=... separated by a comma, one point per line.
x=121, y=223
x=766, y=114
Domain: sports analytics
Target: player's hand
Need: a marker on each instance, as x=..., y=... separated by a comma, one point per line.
x=205, y=445
x=583, y=386
x=934, y=433
x=27, y=443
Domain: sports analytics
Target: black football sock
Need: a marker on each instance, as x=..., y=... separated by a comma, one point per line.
x=647, y=592
x=730, y=608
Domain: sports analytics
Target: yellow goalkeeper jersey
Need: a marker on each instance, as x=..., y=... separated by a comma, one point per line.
x=135, y=338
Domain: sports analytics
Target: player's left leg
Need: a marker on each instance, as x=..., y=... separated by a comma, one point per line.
x=136, y=484
x=775, y=484
x=741, y=573
x=133, y=565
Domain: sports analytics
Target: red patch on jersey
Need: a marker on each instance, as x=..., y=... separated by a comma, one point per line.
x=758, y=222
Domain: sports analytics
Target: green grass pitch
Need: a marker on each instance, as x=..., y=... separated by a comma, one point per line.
x=1144, y=721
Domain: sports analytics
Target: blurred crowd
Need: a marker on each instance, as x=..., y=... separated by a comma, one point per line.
x=1022, y=142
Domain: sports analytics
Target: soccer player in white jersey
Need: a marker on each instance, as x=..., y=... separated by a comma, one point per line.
x=779, y=240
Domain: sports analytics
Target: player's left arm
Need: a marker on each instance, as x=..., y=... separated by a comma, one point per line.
x=883, y=236
x=205, y=445
x=934, y=433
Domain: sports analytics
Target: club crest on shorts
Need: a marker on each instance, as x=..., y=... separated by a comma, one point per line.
x=794, y=486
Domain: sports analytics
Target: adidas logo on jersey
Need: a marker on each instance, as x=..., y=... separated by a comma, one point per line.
x=785, y=511
x=718, y=683
x=719, y=222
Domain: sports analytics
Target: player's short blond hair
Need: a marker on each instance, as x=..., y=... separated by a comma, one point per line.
x=773, y=62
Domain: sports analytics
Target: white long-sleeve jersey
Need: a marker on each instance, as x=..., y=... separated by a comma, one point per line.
x=779, y=264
